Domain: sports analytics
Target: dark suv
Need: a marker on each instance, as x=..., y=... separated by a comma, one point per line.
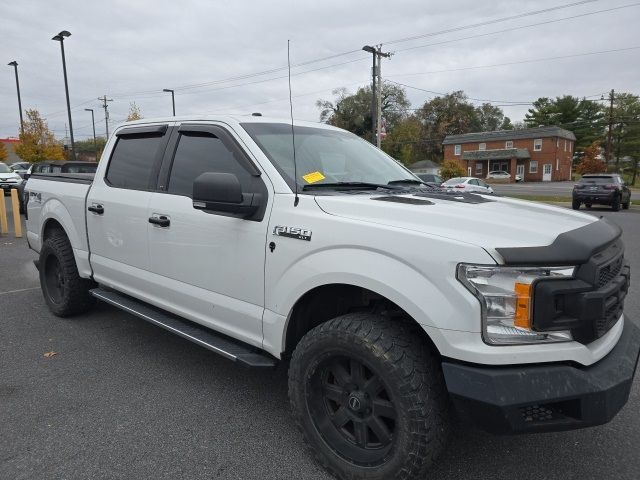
x=601, y=189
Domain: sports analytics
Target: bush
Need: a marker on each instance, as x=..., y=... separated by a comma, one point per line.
x=451, y=169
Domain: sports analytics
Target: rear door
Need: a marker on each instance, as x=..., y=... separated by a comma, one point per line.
x=117, y=205
x=208, y=266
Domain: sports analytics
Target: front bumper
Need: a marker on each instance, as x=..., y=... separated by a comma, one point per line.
x=543, y=398
x=8, y=186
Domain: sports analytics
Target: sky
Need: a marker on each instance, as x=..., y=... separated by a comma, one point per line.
x=231, y=56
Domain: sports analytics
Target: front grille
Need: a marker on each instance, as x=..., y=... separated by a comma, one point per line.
x=611, y=316
x=610, y=271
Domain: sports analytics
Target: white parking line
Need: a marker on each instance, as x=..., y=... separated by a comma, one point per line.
x=19, y=290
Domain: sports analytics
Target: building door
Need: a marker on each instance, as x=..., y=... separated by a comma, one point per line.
x=468, y=171
x=546, y=172
x=520, y=171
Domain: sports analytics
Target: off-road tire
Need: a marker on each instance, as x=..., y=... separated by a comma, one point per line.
x=615, y=204
x=575, y=204
x=397, y=353
x=72, y=295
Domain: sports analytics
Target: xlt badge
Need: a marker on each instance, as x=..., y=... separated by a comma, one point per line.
x=292, y=232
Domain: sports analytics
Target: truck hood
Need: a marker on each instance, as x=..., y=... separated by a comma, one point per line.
x=498, y=223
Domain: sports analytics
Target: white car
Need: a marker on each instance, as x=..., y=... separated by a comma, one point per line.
x=392, y=304
x=502, y=175
x=8, y=178
x=467, y=184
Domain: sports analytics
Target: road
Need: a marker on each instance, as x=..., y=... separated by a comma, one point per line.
x=545, y=189
x=122, y=399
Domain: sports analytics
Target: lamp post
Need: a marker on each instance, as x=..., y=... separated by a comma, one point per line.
x=370, y=49
x=93, y=122
x=60, y=38
x=173, y=100
x=14, y=64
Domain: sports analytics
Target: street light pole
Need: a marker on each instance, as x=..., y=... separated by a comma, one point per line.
x=370, y=49
x=14, y=64
x=380, y=54
x=60, y=38
x=93, y=122
x=173, y=100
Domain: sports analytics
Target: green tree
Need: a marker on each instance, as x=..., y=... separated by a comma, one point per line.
x=404, y=141
x=353, y=111
x=134, y=112
x=4, y=155
x=626, y=127
x=491, y=118
x=450, y=114
x=38, y=143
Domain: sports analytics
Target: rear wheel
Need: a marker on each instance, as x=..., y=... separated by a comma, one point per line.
x=615, y=205
x=65, y=292
x=575, y=204
x=627, y=204
x=369, y=397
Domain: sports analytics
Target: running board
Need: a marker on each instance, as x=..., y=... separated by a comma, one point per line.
x=218, y=343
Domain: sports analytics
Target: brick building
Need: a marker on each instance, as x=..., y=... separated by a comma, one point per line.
x=535, y=154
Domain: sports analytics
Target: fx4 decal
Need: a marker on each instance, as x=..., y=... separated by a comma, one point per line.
x=292, y=232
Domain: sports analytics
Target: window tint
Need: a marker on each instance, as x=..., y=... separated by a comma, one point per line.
x=473, y=181
x=132, y=161
x=198, y=153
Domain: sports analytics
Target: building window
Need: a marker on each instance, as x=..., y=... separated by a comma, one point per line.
x=571, y=146
x=557, y=164
x=565, y=145
x=508, y=144
x=533, y=166
x=482, y=146
x=456, y=149
x=557, y=143
x=478, y=168
x=537, y=144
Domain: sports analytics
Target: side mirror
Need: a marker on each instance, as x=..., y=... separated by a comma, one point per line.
x=222, y=193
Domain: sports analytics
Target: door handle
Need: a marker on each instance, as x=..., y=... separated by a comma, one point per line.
x=96, y=208
x=160, y=220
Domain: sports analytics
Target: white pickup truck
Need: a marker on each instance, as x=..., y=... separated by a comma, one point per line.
x=396, y=304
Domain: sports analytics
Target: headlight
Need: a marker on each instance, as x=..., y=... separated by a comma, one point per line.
x=506, y=297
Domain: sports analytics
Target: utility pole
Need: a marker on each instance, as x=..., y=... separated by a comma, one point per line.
x=374, y=110
x=104, y=101
x=14, y=64
x=380, y=54
x=608, y=151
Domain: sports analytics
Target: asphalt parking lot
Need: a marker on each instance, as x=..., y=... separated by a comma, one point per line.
x=545, y=189
x=122, y=399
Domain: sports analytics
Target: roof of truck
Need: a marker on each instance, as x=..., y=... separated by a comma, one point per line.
x=249, y=118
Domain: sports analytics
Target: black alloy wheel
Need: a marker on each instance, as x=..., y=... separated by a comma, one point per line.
x=352, y=410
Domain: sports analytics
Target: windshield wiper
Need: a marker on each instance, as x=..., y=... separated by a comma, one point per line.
x=348, y=185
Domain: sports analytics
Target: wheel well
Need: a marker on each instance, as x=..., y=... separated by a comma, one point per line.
x=51, y=226
x=329, y=301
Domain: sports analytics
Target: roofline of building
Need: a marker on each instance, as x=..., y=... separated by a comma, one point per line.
x=536, y=132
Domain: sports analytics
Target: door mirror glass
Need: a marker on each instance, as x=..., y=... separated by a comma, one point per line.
x=222, y=193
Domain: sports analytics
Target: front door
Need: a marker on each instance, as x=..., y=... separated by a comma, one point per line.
x=209, y=267
x=546, y=172
x=520, y=171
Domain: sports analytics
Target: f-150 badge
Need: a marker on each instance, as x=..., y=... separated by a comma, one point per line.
x=292, y=232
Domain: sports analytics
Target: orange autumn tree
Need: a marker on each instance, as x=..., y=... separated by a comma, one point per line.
x=590, y=162
x=38, y=143
x=3, y=152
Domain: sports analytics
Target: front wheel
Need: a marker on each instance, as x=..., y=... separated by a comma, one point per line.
x=369, y=397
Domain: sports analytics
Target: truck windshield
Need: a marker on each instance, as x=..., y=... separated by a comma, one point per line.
x=325, y=156
x=4, y=168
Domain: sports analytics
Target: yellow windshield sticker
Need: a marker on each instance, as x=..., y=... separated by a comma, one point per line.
x=313, y=177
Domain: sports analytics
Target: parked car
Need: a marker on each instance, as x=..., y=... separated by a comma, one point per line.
x=430, y=179
x=502, y=175
x=601, y=189
x=399, y=310
x=20, y=167
x=467, y=184
x=8, y=178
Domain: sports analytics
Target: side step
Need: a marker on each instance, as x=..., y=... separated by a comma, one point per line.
x=218, y=343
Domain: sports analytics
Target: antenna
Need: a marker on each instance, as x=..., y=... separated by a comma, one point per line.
x=296, y=199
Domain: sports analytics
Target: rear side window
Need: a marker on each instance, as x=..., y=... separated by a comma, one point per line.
x=598, y=180
x=133, y=160
x=198, y=153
